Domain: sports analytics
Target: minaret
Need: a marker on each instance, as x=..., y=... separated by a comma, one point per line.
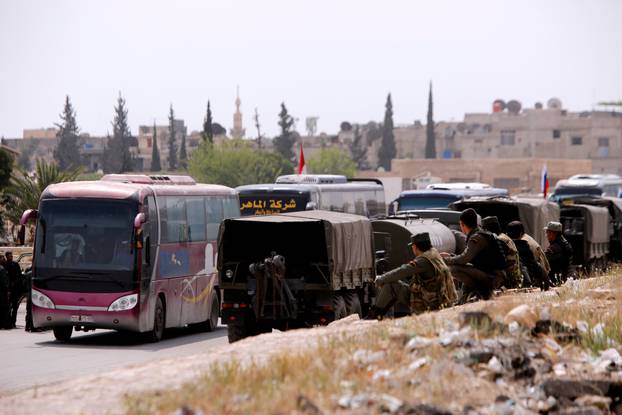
x=237, y=131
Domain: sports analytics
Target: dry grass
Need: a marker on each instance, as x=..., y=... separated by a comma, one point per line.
x=330, y=371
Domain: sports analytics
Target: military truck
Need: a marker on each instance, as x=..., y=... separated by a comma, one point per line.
x=292, y=270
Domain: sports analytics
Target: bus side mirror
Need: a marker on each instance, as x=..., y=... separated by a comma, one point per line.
x=28, y=215
x=139, y=219
x=393, y=206
x=311, y=206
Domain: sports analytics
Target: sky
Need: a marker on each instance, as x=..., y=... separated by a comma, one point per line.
x=337, y=60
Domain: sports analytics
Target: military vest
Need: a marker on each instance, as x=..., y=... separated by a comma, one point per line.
x=512, y=271
x=437, y=291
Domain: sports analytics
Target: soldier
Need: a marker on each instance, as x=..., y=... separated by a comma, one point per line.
x=536, y=250
x=559, y=252
x=16, y=285
x=533, y=272
x=513, y=274
x=4, y=296
x=481, y=263
x=423, y=284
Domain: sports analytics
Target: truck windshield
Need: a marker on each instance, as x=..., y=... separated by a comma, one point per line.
x=85, y=245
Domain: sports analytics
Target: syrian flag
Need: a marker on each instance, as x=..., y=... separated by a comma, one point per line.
x=545, y=181
x=302, y=167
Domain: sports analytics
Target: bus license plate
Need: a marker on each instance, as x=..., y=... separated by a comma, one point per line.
x=81, y=319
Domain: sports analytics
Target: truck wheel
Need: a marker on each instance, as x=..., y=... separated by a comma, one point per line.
x=353, y=304
x=236, y=331
x=339, y=305
x=156, y=334
x=63, y=334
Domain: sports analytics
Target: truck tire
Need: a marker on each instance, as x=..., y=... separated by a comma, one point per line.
x=159, y=319
x=339, y=305
x=63, y=334
x=353, y=303
x=237, y=331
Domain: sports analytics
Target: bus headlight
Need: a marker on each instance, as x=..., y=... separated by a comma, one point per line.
x=127, y=302
x=41, y=300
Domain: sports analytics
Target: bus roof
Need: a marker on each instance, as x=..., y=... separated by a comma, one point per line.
x=117, y=188
x=306, y=187
x=455, y=192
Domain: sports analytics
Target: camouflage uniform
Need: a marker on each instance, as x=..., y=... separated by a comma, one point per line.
x=423, y=284
x=513, y=274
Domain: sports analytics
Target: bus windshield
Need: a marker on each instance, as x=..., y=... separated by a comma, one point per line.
x=85, y=245
x=425, y=202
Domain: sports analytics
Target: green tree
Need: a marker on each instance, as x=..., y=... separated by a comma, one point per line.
x=67, y=152
x=117, y=156
x=430, y=140
x=6, y=167
x=155, y=153
x=24, y=190
x=183, y=155
x=172, y=145
x=208, y=131
x=358, y=149
x=332, y=160
x=236, y=162
x=283, y=143
x=387, y=150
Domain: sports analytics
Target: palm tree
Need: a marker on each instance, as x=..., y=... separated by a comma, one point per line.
x=24, y=190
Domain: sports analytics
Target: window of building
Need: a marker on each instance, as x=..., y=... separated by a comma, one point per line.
x=149, y=142
x=557, y=134
x=576, y=141
x=603, y=142
x=508, y=137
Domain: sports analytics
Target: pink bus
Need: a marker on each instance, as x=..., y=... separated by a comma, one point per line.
x=128, y=252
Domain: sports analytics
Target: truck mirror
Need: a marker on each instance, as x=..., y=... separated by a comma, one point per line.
x=28, y=215
x=139, y=219
x=311, y=206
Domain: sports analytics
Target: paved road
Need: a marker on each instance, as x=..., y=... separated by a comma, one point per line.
x=30, y=359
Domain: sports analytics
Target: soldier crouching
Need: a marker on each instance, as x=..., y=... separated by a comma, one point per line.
x=423, y=284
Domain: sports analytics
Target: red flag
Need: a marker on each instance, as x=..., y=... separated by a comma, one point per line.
x=302, y=168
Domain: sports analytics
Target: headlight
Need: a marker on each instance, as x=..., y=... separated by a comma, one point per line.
x=41, y=300
x=127, y=302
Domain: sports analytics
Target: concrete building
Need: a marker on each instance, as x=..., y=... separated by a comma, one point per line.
x=41, y=133
x=238, y=130
x=145, y=143
x=551, y=133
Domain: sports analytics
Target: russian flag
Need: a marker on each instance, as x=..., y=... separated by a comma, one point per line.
x=545, y=181
x=302, y=168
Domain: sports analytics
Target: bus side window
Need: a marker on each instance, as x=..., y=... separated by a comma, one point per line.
x=173, y=220
x=197, y=224
x=231, y=207
x=214, y=208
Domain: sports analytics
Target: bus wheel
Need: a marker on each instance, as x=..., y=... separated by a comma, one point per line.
x=212, y=321
x=156, y=334
x=63, y=334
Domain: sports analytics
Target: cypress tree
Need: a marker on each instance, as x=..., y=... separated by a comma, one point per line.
x=208, y=131
x=183, y=155
x=155, y=153
x=172, y=146
x=283, y=143
x=67, y=152
x=122, y=136
x=387, y=150
x=430, y=141
x=359, y=150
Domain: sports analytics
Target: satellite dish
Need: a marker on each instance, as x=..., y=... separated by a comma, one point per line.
x=498, y=105
x=514, y=106
x=554, y=104
x=538, y=105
